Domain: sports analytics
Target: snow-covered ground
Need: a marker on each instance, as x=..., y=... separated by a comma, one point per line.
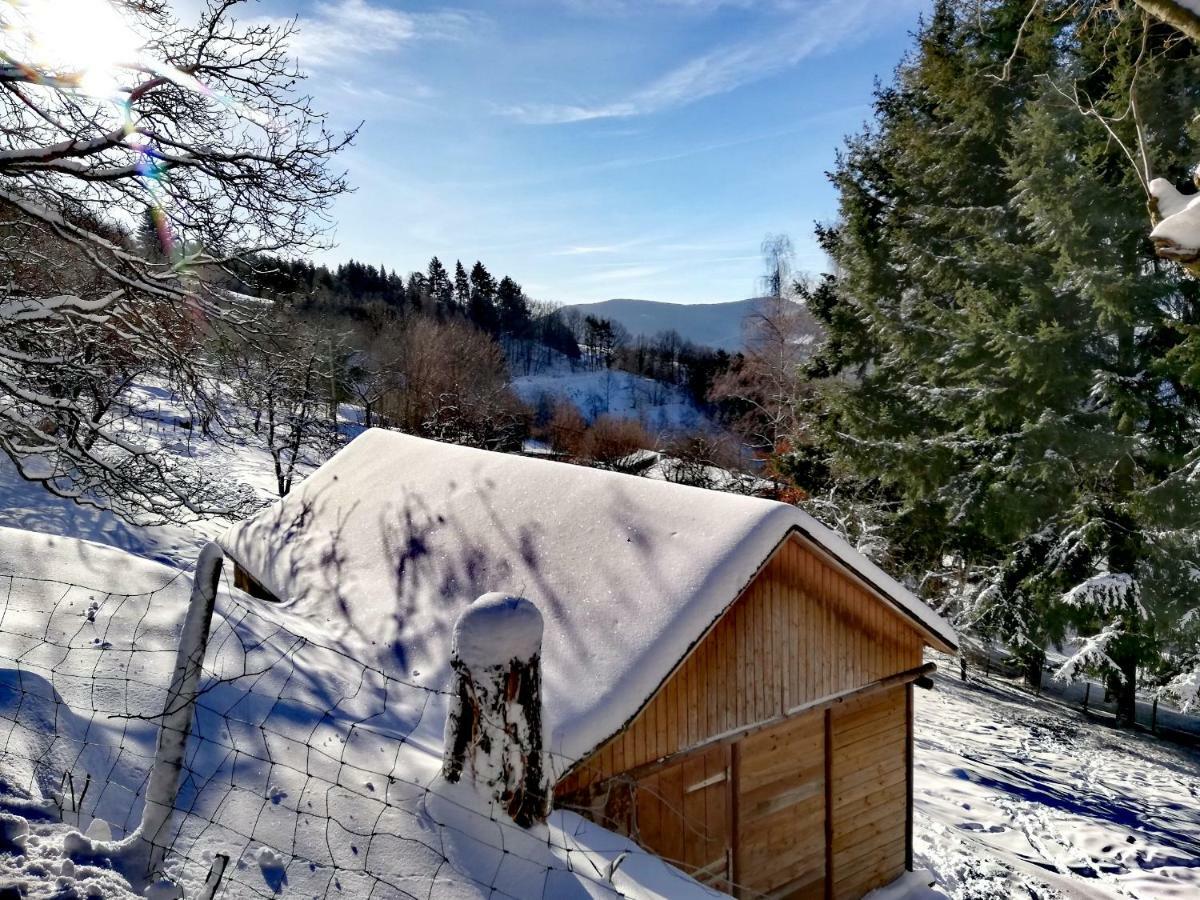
x=315, y=774
x=658, y=406
x=659, y=466
x=1023, y=797
x=156, y=420
x=318, y=776
x=1015, y=796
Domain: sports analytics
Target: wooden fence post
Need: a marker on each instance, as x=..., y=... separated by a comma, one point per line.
x=140, y=855
x=1087, y=695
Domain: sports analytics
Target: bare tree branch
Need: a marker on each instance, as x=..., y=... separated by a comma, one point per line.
x=206, y=134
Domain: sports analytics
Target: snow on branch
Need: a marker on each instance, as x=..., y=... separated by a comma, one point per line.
x=205, y=123
x=1177, y=235
x=1092, y=654
x=1183, y=15
x=127, y=204
x=1185, y=689
x=1108, y=593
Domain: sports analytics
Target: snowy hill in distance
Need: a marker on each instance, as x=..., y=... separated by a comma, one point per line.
x=712, y=324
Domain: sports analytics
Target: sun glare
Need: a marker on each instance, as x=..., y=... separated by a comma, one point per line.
x=87, y=39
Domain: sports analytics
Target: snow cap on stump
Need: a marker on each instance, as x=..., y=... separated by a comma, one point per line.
x=496, y=629
x=494, y=723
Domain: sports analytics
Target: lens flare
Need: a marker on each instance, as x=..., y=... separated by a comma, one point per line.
x=88, y=47
x=86, y=41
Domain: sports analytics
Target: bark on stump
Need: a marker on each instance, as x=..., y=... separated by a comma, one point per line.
x=494, y=724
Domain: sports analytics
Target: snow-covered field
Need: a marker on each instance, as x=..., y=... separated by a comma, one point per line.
x=155, y=421
x=294, y=768
x=658, y=406
x=155, y=418
x=1024, y=797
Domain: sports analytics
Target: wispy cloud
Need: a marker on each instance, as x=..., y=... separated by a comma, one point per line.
x=342, y=32
x=625, y=7
x=602, y=249
x=623, y=273
x=589, y=251
x=816, y=28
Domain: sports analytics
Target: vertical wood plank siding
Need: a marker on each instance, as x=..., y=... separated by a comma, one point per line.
x=781, y=806
x=815, y=805
x=802, y=630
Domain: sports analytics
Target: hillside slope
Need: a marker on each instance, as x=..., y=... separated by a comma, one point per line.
x=1014, y=796
x=313, y=786
x=1017, y=796
x=659, y=407
x=711, y=324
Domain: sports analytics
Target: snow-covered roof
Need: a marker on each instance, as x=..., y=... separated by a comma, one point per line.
x=384, y=545
x=314, y=773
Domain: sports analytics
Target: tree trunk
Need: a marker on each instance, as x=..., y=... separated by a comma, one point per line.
x=494, y=722
x=1124, y=688
x=1035, y=662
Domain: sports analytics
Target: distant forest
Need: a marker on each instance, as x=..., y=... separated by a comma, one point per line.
x=434, y=353
x=534, y=335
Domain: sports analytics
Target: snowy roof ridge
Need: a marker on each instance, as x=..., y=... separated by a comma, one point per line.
x=384, y=545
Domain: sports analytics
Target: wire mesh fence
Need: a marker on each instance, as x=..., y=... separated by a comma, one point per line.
x=979, y=659
x=307, y=771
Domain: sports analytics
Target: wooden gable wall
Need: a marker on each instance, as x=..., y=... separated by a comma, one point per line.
x=802, y=631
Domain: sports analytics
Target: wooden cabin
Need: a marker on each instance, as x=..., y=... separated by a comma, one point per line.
x=776, y=759
x=724, y=680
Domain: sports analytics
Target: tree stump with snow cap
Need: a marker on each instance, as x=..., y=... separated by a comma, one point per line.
x=494, y=724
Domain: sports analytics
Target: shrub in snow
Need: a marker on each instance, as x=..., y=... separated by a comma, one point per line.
x=494, y=722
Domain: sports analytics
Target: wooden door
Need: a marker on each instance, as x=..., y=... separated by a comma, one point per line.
x=780, y=812
x=870, y=791
x=683, y=815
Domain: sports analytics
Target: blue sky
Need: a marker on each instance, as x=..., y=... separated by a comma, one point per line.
x=594, y=148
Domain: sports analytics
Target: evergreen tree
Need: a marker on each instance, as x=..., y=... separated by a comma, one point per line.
x=417, y=293
x=439, y=286
x=394, y=290
x=481, y=308
x=150, y=238
x=512, y=308
x=462, y=287
x=1012, y=344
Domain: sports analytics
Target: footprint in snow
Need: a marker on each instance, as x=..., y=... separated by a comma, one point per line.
x=273, y=867
x=980, y=827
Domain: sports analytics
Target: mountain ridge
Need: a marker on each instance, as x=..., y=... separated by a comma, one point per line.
x=716, y=325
